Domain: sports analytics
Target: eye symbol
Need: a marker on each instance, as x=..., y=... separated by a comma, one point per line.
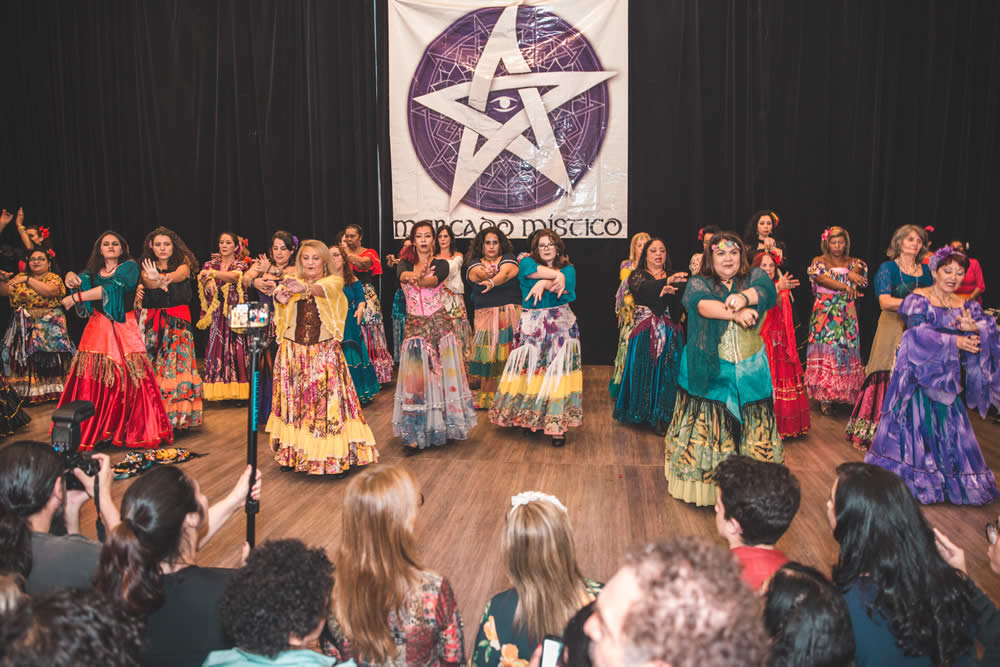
x=504, y=103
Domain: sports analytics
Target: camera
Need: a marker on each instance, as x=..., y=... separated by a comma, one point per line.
x=66, y=441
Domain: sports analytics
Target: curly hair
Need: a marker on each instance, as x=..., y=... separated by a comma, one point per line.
x=283, y=590
x=475, y=251
x=763, y=497
x=750, y=237
x=561, y=259
x=885, y=538
x=70, y=627
x=180, y=255
x=694, y=608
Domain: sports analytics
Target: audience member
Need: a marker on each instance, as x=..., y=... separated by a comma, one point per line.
x=275, y=606
x=70, y=628
x=576, y=643
x=680, y=603
x=148, y=563
x=540, y=556
x=907, y=605
x=32, y=494
x=386, y=609
x=11, y=591
x=756, y=503
x=807, y=620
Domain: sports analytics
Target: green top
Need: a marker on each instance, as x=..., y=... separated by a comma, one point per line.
x=118, y=288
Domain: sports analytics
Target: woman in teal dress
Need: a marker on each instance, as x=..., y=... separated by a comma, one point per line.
x=724, y=397
x=355, y=351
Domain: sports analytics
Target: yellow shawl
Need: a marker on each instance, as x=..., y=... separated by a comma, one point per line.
x=332, y=307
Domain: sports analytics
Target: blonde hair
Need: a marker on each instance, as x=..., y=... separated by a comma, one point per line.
x=895, y=248
x=836, y=231
x=376, y=564
x=540, y=557
x=633, y=251
x=324, y=253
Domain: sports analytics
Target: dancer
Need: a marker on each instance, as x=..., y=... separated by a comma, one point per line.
x=366, y=265
x=625, y=309
x=973, y=286
x=264, y=275
x=705, y=235
x=542, y=383
x=833, y=364
x=36, y=350
x=496, y=298
x=724, y=403
x=453, y=293
x=791, y=404
x=649, y=382
x=433, y=403
x=111, y=369
x=220, y=286
x=758, y=235
x=353, y=344
x=398, y=308
x=894, y=281
x=925, y=435
x=316, y=424
x=167, y=269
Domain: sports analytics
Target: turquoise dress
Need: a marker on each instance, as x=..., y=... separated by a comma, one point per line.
x=355, y=351
x=724, y=398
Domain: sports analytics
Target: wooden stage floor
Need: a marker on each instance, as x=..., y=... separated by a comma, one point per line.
x=609, y=476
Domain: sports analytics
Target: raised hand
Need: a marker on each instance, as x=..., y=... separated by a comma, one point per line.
x=786, y=281
x=968, y=344
x=150, y=271
x=677, y=278
x=950, y=553
x=20, y=218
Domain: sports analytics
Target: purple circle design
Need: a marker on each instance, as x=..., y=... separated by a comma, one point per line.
x=548, y=44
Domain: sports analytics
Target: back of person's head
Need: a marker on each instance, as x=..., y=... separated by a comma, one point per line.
x=153, y=512
x=576, y=643
x=282, y=592
x=763, y=497
x=693, y=608
x=807, y=619
x=29, y=475
x=540, y=556
x=885, y=538
x=11, y=591
x=376, y=561
x=69, y=628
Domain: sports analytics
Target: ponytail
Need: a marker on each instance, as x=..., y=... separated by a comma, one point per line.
x=29, y=472
x=15, y=542
x=129, y=572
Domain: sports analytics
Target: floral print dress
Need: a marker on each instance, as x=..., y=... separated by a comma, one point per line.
x=833, y=363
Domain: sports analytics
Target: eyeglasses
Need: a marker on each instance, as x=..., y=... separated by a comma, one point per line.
x=992, y=529
x=546, y=246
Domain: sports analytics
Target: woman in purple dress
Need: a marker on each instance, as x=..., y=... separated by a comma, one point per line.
x=925, y=435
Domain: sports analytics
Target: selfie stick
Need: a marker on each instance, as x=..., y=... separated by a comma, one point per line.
x=255, y=336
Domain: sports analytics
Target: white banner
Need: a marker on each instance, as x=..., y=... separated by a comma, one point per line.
x=510, y=113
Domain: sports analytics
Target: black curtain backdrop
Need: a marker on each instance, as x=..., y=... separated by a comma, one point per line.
x=259, y=115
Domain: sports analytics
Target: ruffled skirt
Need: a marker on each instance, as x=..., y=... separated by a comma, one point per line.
x=542, y=383
x=225, y=362
x=433, y=403
x=316, y=424
x=37, y=353
x=621, y=352
x=791, y=404
x=373, y=331
x=454, y=308
x=171, y=350
x=649, y=381
x=867, y=412
x=833, y=373
x=490, y=350
x=366, y=382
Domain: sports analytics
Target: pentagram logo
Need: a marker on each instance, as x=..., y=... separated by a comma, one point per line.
x=508, y=108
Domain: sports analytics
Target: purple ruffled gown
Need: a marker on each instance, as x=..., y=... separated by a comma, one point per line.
x=925, y=435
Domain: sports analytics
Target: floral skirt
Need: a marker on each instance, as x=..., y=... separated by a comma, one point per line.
x=649, y=381
x=37, y=353
x=112, y=371
x=225, y=362
x=933, y=448
x=316, y=424
x=833, y=373
x=490, y=350
x=398, y=322
x=373, y=331
x=12, y=414
x=542, y=384
x=702, y=433
x=171, y=350
x=454, y=307
x=868, y=410
x=433, y=403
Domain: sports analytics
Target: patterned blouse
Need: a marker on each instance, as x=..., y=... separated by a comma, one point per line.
x=24, y=296
x=427, y=629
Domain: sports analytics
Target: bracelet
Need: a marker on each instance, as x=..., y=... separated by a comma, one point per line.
x=78, y=297
x=490, y=281
x=745, y=298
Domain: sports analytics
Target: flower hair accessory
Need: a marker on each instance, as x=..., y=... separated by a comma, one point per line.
x=939, y=256
x=724, y=244
x=825, y=235
x=929, y=229
x=51, y=253
x=526, y=497
x=43, y=232
x=295, y=240
x=774, y=216
x=701, y=234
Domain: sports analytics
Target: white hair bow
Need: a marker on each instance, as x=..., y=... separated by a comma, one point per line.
x=526, y=497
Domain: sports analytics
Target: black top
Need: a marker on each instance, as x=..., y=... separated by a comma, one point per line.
x=61, y=561
x=187, y=627
x=509, y=293
x=646, y=292
x=440, y=267
x=177, y=294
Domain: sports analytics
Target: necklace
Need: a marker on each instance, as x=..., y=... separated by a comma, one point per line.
x=944, y=304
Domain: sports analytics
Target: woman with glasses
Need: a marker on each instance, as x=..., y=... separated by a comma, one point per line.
x=542, y=384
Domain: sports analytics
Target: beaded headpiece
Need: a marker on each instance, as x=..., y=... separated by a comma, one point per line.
x=724, y=244
x=526, y=497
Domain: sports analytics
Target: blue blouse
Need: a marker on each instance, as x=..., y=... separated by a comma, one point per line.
x=890, y=279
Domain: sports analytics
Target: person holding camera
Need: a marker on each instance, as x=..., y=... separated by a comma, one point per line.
x=33, y=493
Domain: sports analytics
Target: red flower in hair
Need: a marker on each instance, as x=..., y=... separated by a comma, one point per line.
x=51, y=253
x=43, y=232
x=774, y=216
x=929, y=229
x=701, y=234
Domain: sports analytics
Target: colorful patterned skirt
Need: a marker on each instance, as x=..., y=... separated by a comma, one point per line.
x=112, y=371
x=833, y=365
x=868, y=408
x=398, y=322
x=316, y=424
x=490, y=350
x=542, y=384
x=703, y=433
x=12, y=414
x=170, y=345
x=625, y=324
x=37, y=353
x=373, y=332
x=225, y=362
x=649, y=381
x=433, y=403
x=454, y=307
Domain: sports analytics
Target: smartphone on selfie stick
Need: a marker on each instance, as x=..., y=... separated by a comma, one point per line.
x=552, y=647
